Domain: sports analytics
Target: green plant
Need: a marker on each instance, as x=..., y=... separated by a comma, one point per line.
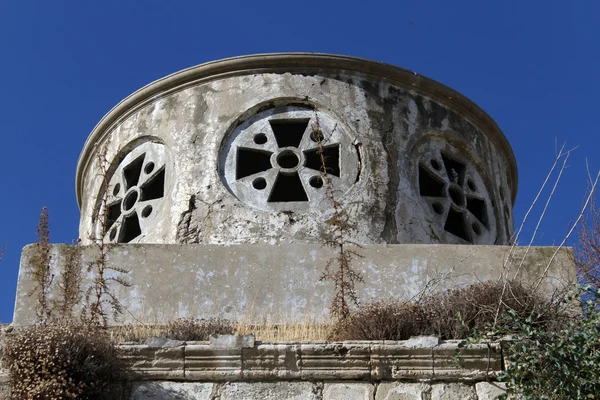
x=66, y=361
x=544, y=363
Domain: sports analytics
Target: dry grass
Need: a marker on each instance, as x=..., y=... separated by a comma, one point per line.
x=185, y=329
x=188, y=329
x=288, y=332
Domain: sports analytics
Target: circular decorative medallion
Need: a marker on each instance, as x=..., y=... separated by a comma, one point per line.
x=454, y=194
x=136, y=193
x=273, y=161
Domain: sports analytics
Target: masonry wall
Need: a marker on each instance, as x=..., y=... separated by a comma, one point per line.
x=237, y=367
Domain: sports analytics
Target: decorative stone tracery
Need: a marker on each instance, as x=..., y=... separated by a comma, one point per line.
x=136, y=193
x=273, y=160
x=455, y=195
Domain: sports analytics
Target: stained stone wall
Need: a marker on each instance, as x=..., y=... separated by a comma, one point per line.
x=229, y=152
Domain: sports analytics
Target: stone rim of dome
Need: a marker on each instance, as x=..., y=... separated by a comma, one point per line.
x=295, y=63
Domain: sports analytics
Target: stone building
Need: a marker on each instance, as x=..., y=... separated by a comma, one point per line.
x=220, y=182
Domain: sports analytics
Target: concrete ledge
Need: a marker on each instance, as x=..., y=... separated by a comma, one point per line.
x=278, y=284
x=308, y=361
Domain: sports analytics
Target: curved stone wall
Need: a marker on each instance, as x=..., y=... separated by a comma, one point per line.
x=230, y=152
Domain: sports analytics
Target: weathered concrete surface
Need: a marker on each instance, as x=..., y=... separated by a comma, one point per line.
x=165, y=390
x=348, y=391
x=281, y=283
x=4, y=385
x=452, y=391
x=270, y=391
x=398, y=126
x=490, y=390
x=402, y=391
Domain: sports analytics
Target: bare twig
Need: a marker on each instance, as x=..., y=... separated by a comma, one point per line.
x=338, y=268
x=40, y=270
x=579, y=217
x=550, y=196
x=99, y=296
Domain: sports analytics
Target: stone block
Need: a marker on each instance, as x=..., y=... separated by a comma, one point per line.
x=231, y=341
x=402, y=391
x=335, y=361
x=4, y=385
x=395, y=361
x=348, y=391
x=270, y=391
x=453, y=391
x=476, y=361
x=144, y=362
x=204, y=363
x=422, y=342
x=271, y=361
x=163, y=342
x=171, y=391
x=490, y=390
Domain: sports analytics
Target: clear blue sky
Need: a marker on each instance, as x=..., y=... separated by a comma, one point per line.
x=532, y=65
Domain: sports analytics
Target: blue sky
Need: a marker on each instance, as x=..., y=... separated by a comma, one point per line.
x=532, y=65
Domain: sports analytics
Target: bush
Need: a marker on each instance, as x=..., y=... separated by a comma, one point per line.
x=453, y=314
x=555, y=365
x=66, y=361
x=382, y=320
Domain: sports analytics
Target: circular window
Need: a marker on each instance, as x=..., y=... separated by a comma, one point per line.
x=135, y=194
x=277, y=159
x=454, y=194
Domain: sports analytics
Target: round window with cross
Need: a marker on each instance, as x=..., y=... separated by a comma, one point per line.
x=135, y=197
x=454, y=194
x=275, y=161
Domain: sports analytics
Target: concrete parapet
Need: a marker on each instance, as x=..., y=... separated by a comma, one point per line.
x=280, y=284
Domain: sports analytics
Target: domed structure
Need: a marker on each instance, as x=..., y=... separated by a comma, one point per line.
x=229, y=152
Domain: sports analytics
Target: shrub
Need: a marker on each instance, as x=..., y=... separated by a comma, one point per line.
x=66, y=361
x=453, y=314
x=551, y=364
x=382, y=320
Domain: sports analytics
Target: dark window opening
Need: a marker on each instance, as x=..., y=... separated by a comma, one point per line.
x=250, y=162
x=457, y=196
x=455, y=224
x=287, y=159
x=133, y=171
x=429, y=184
x=332, y=159
x=455, y=170
x=288, y=188
x=155, y=187
x=477, y=208
x=288, y=133
x=113, y=213
x=130, y=229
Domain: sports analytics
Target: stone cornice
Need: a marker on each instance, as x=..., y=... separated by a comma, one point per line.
x=417, y=359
